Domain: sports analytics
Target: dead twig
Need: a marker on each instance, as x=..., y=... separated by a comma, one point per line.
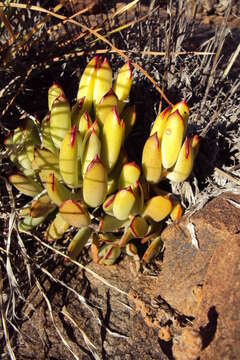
x=96, y=34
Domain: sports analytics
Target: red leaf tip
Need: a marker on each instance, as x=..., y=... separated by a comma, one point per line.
x=73, y=135
x=114, y=109
x=187, y=144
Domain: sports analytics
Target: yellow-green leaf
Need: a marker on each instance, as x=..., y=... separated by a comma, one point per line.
x=74, y=213
x=25, y=185
x=60, y=120
x=160, y=123
x=123, y=203
x=68, y=157
x=157, y=208
x=152, y=159
x=103, y=82
x=95, y=183
x=172, y=139
x=112, y=137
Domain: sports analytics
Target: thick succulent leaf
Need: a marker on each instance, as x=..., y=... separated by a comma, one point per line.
x=184, y=164
x=10, y=147
x=91, y=149
x=139, y=199
x=95, y=183
x=84, y=124
x=145, y=187
x=157, y=208
x=123, y=203
x=108, y=238
x=183, y=110
x=41, y=206
x=60, y=120
x=19, y=134
x=103, y=82
x=129, y=117
x=139, y=227
x=45, y=162
x=111, y=224
x=108, y=205
x=126, y=237
x=95, y=126
x=160, y=123
x=152, y=159
x=19, y=139
x=176, y=212
x=24, y=164
x=112, y=184
x=153, y=250
x=131, y=250
x=112, y=137
x=195, y=143
x=78, y=242
x=105, y=105
x=74, y=213
x=25, y=185
x=87, y=82
x=115, y=173
x=108, y=254
x=78, y=110
x=53, y=93
x=172, y=139
x=56, y=229
x=28, y=223
x=123, y=83
x=68, y=157
x=24, y=211
x=129, y=175
x=47, y=141
x=32, y=138
x=57, y=192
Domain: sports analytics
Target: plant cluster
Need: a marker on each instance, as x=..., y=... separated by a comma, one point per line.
x=78, y=173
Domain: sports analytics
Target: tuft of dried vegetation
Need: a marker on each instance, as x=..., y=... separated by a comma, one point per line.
x=175, y=57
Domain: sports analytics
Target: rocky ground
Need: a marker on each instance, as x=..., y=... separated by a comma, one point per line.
x=189, y=309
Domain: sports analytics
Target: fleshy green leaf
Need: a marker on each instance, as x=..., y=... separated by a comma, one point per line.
x=152, y=159
x=74, y=213
x=160, y=123
x=95, y=183
x=60, y=120
x=172, y=139
x=123, y=203
x=68, y=157
x=157, y=208
x=78, y=242
x=56, y=229
x=103, y=82
x=25, y=185
x=112, y=137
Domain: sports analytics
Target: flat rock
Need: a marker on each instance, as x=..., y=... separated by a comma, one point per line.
x=218, y=316
x=184, y=266
x=216, y=330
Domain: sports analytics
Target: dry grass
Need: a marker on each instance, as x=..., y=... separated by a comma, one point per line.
x=40, y=45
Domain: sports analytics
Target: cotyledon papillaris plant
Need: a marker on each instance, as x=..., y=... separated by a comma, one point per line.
x=77, y=170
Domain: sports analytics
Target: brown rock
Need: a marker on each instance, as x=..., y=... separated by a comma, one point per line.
x=184, y=267
x=189, y=345
x=218, y=316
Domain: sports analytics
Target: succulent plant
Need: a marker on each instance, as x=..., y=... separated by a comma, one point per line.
x=77, y=169
x=168, y=153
